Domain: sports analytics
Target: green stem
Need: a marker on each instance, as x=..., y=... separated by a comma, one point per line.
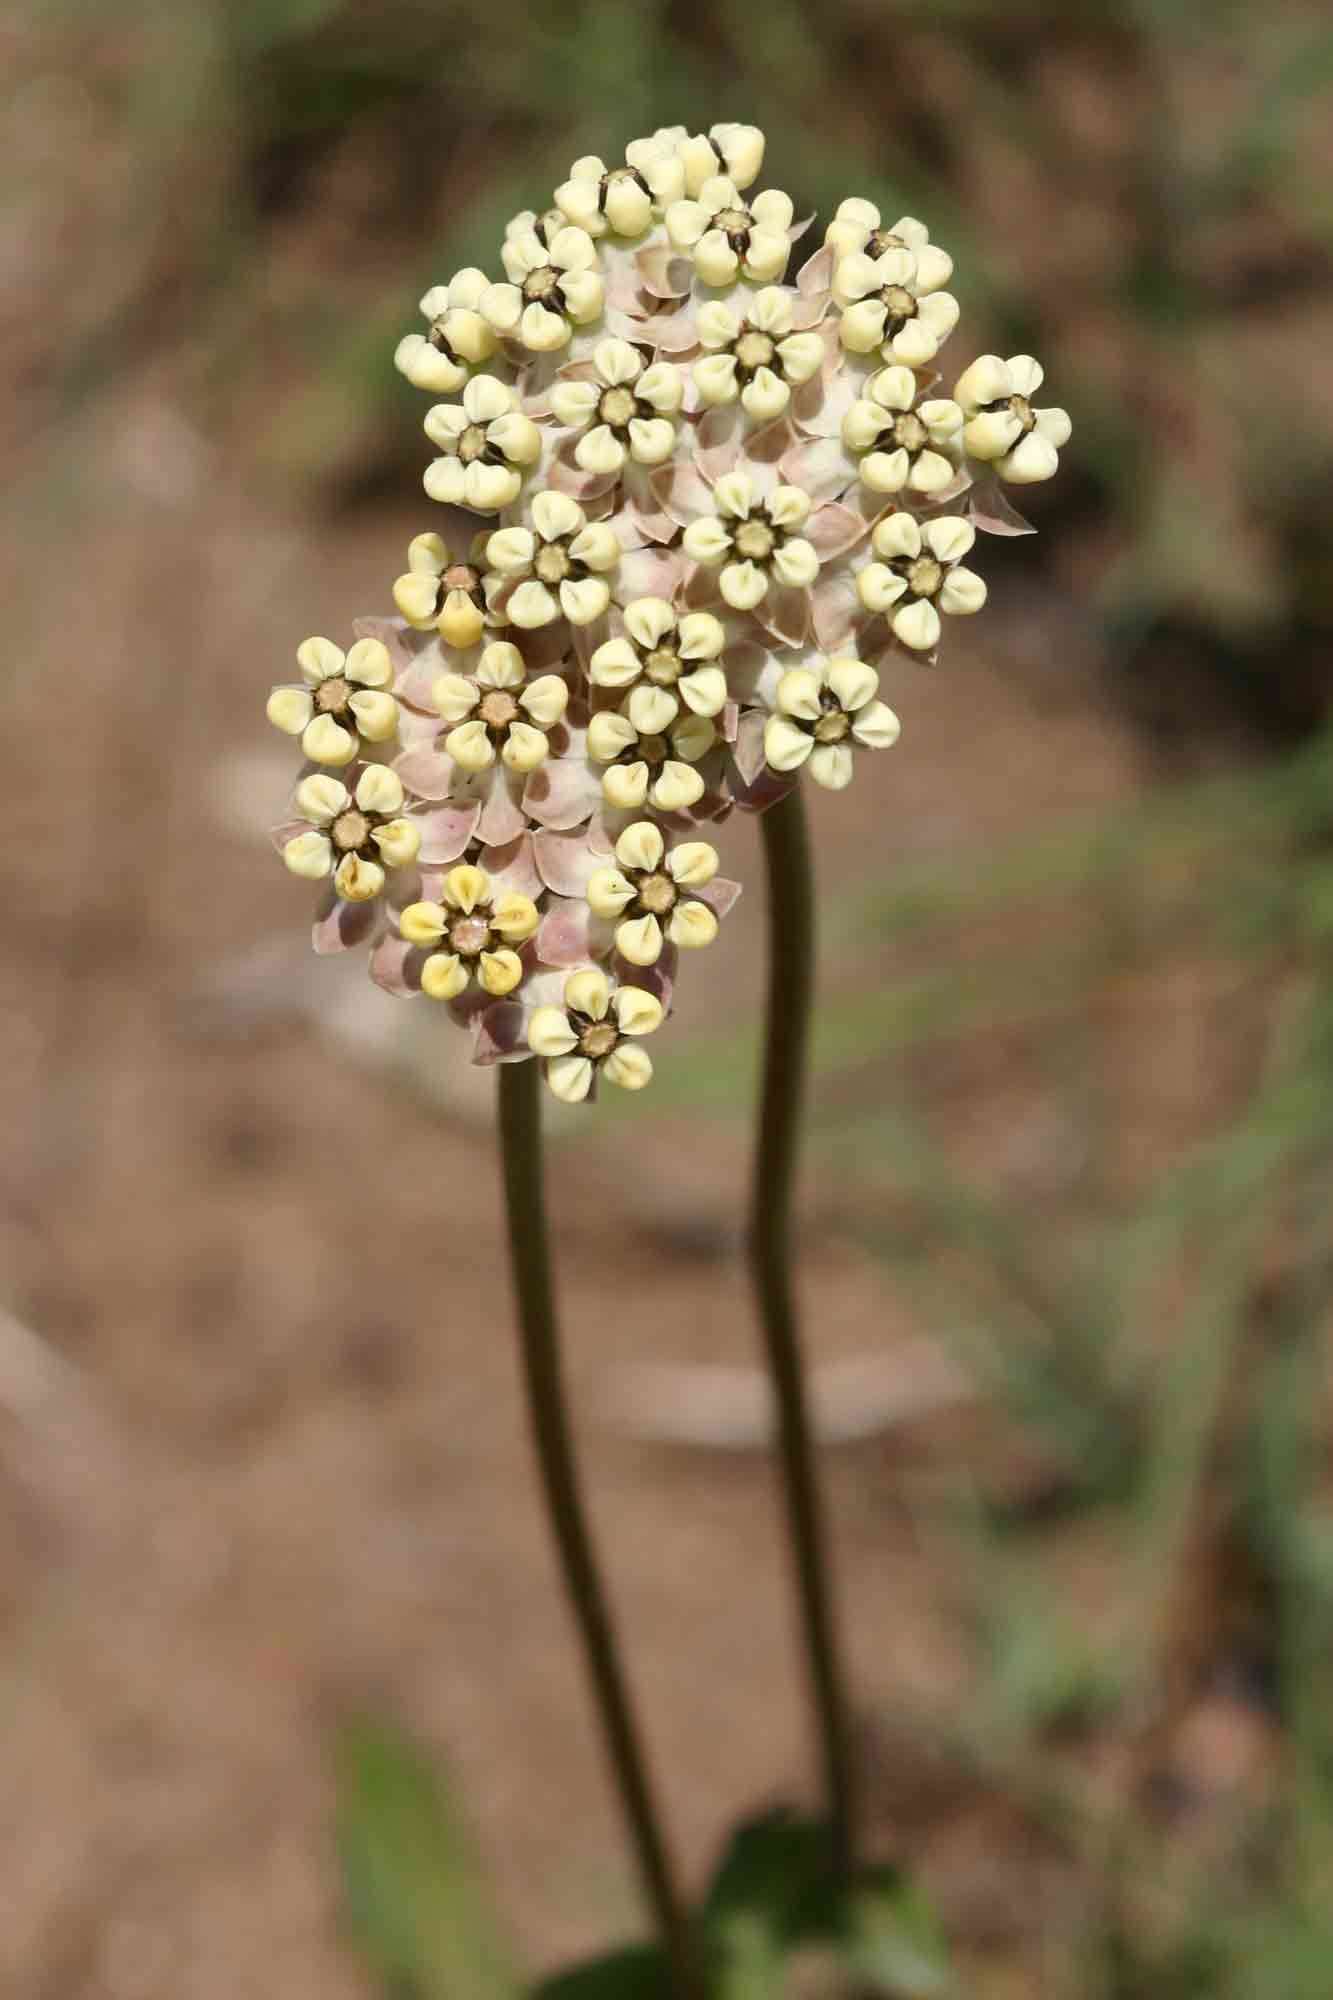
x=529, y=1251
x=790, y=992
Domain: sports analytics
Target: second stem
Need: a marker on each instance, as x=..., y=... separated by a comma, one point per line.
x=790, y=887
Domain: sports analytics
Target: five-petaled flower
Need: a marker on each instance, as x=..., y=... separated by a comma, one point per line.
x=892, y=303
x=1001, y=424
x=661, y=659
x=825, y=713
x=595, y=1033
x=755, y=538
x=624, y=199
x=560, y=564
x=437, y=593
x=344, y=702
x=646, y=893
x=857, y=228
x=457, y=339
x=899, y=438
x=757, y=354
x=650, y=766
x=496, y=709
x=727, y=237
x=470, y=934
x=918, y=574
x=622, y=408
x=486, y=445
x=353, y=835
x=553, y=287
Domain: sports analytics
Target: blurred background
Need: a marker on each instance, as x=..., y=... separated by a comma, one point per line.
x=1064, y=1239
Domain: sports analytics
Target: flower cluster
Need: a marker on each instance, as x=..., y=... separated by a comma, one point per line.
x=689, y=516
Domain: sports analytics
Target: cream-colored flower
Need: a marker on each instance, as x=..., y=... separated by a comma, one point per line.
x=497, y=710
x=756, y=540
x=726, y=237
x=622, y=200
x=646, y=893
x=658, y=159
x=650, y=767
x=1001, y=424
x=857, y=227
x=595, y=1033
x=457, y=340
x=486, y=445
x=624, y=409
x=823, y=716
x=900, y=440
x=734, y=150
x=437, y=593
x=344, y=702
x=564, y=560
x=663, y=658
x=754, y=355
x=890, y=303
x=552, y=289
x=919, y=574
x=354, y=835
x=470, y=934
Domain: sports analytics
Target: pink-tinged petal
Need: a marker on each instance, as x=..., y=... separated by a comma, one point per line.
x=746, y=663
x=396, y=966
x=416, y=683
x=500, y=1033
x=833, y=529
x=565, y=861
x=663, y=272
x=720, y=895
x=642, y=518
x=288, y=830
x=395, y=635
x=820, y=467
x=989, y=509
x=446, y=831
x=513, y=867
x=785, y=614
x=659, y=979
x=767, y=789
x=837, y=610
x=700, y=590
x=748, y=749
x=622, y=287
x=585, y=639
x=428, y=772
x=536, y=373
x=764, y=452
x=682, y=491
x=674, y=333
x=815, y=276
x=340, y=926
x=563, y=792
x=649, y=572
x=567, y=476
x=796, y=230
x=564, y=936
x=501, y=814
x=717, y=438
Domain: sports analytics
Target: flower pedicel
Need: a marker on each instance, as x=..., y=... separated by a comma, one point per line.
x=701, y=499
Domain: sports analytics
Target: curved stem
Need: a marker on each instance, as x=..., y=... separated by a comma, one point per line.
x=521, y=1156
x=790, y=991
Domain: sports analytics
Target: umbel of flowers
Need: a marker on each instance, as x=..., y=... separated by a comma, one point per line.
x=689, y=517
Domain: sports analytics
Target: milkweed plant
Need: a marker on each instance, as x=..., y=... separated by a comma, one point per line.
x=686, y=516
